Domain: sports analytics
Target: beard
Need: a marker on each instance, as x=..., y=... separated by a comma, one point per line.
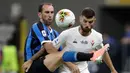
x=47, y=22
x=86, y=30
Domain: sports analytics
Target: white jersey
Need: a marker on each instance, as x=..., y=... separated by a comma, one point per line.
x=76, y=42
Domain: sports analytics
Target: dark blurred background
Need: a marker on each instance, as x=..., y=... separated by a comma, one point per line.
x=113, y=21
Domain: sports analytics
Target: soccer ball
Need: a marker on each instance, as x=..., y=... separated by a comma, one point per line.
x=65, y=18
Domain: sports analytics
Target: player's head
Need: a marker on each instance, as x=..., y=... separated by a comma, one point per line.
x=46, y=13
x=87, y=19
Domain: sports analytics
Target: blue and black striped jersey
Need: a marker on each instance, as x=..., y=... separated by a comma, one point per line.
x=39, y=33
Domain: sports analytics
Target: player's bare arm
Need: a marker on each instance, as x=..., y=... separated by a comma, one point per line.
x=50, y=48
x=28, y=63
x=73, y=68
x=108, y=61
x=38, y=54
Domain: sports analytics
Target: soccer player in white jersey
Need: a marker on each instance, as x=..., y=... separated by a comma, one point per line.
x=82, y=38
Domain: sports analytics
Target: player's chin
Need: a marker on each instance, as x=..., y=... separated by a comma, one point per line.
x=49, y=23
x=86, y=30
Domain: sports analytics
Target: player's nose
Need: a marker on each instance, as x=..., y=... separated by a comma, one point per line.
x=87, y=25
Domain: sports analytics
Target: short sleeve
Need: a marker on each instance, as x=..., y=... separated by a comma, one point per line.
x=61, y=39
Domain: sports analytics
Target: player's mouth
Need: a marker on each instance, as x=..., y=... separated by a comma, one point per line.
x=50, y=20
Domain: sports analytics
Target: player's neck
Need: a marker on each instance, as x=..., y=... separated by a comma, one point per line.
x=48, y=26
x=84, y=33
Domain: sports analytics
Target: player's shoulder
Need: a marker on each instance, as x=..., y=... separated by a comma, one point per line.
x=69, y=31
x=34, y=24
x=55, y=31
x=96, y=32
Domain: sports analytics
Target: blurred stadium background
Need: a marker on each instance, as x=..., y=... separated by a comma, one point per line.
x=113, y=21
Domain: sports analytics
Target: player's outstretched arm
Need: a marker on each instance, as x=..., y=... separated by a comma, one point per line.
x=108, y=61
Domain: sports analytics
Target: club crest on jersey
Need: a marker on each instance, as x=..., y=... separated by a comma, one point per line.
x=92, y=42
x=44, y=33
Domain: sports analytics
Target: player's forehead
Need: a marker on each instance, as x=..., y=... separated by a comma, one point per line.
x=48, y=8
x=89, y=19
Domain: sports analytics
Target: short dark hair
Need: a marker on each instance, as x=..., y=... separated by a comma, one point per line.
x=88, y=12
x=41, y=5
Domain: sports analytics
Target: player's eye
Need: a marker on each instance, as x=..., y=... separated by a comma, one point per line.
x=52, y=11
x=46, y=11
x=90, y=21
x=85, y=21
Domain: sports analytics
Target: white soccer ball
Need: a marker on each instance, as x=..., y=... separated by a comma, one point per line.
x=65, y=18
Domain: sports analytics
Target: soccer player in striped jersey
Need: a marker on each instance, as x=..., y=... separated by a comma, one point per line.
x=40, y=32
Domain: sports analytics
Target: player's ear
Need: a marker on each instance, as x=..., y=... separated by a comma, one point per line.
x=94, y=19
x=80, y=18
x=39, y=15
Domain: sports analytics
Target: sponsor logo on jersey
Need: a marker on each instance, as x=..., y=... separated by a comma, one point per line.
x=84, y=42
x=75, y=41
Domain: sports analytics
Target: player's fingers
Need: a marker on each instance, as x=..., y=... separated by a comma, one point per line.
x=73, y=71
x=27, y=69
x=76, y=71
x=24, y=68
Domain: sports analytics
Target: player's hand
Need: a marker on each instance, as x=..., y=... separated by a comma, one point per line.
x=27, y=65
x=74, y=68
x=114, y=71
